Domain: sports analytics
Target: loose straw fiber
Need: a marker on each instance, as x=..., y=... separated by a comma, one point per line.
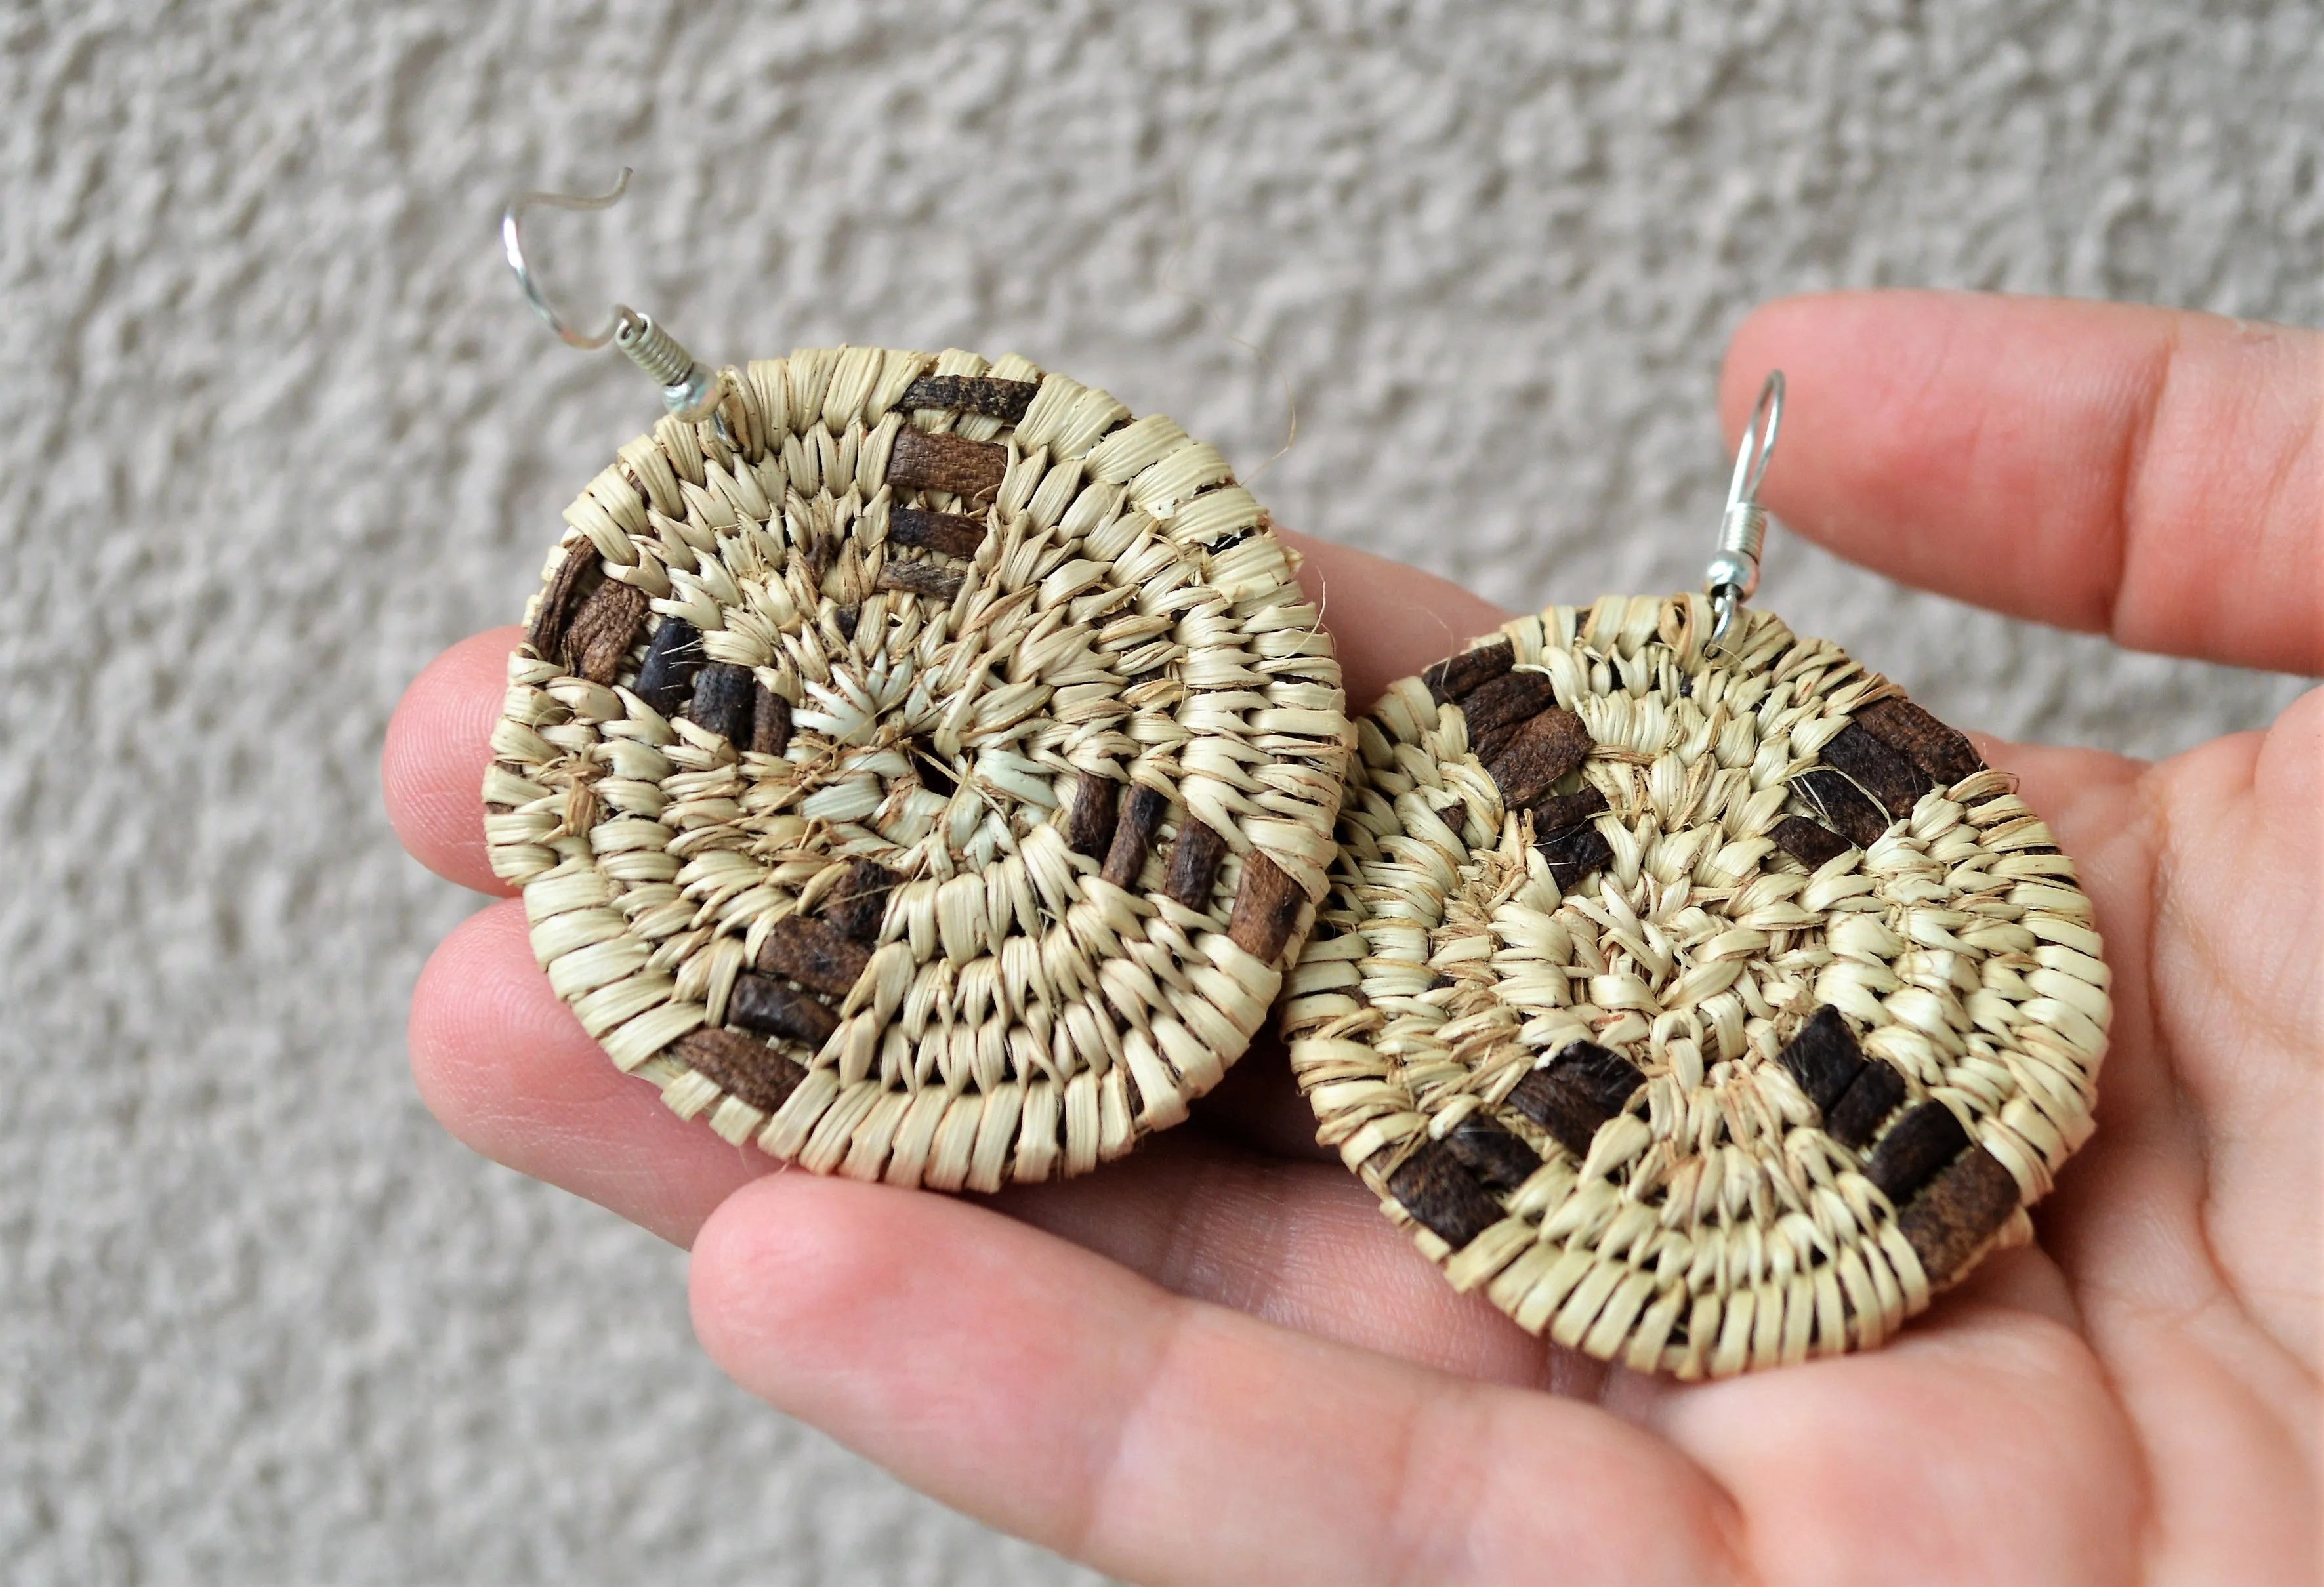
x=927, y=771
x=1709, y=1009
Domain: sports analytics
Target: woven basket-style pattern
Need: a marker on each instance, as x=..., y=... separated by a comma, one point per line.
x=1708, y=1007
x=926, y=770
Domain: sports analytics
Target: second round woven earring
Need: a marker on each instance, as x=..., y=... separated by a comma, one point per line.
x=1702, y=1000
x=918, y=765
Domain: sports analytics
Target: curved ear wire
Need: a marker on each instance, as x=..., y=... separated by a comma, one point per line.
x=688, y=390
x=1734, y=573
x=512, y=243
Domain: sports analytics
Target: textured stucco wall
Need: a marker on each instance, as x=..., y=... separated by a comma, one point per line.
x=274, y=427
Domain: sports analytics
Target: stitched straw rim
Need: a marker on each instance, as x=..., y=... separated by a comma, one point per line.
x=1708, y=1011
x=925, y=769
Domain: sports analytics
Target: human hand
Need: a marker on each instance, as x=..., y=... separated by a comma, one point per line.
x=1216, y=1362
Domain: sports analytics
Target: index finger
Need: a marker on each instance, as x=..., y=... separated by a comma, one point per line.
x=2139, y=472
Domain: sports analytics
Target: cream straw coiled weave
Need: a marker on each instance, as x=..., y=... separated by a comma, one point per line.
x=1709, y=1009
x=925, y=769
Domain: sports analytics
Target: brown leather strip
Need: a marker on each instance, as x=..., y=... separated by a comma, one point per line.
x=602, y=631
x=1911, y=1149
x=952, y=534
x=1494, y=709
x=1575, y=855
x=1443, y=1197
x=812, y=953
x=1543, y=749
x=1811, y=845
x=923, y=579
x=558, y=601
x=970, y=393
x=859, y=903
x=1943, y=753
x=1194, y=861
x=1266, y=909
x=770, y=722
x=725, y=698
x=1133, y=835
x=1888, y=776
x=1499, y=1161
x=764, y=1004
x=1459, y=675
x=1844, y=806
x=743, y=1067
x=673, y=656
x=1876, y=1092
x=925, y=462
x=1089, y=824
x=1962, y=1208
x=1824, y=1058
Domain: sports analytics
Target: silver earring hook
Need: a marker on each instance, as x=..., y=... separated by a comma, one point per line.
x=1732, y=577
x=688, y=390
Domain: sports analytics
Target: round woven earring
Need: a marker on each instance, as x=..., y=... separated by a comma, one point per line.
x=1688, y=989
x=918, y=764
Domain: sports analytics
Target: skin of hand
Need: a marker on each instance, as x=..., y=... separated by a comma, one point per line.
x=1217, y=1363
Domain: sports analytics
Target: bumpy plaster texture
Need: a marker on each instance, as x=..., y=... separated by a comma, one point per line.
x=275, y=429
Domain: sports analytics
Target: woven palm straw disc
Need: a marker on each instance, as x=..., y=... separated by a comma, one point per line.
x=927, y=775
x=1709, y=1010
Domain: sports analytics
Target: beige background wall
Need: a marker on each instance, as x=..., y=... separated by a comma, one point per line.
x=273, y=428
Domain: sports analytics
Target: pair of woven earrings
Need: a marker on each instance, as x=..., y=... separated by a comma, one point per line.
x=926, y=770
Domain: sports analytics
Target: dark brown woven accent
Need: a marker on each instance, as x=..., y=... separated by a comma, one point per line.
x=1824, y=1058
x=1194, y=861
x=923, y=579
x=859, y=903
x=1492, y=1152
x=602, y=631
x=1266, y=909
x=925, y=462
x=1434, y=1187
x=1495, y=709
x=1578, y=1091
x=1854, y=816
x=673, y=656
x=1912, y=1151
x=1855, y=1118
x=726, y=699
x=1564, y=812
x=1543, y=750
x=953, y=534
x=1575, y=854
x=845, y=618
x=743, y=1067
x=812, y=953
x=1605, y=1076
x=1943, y=753
x=1963, y=1207
x=1879, y=771
x=770, y=722
x=995, y=399
x=1459, y=675
x=1089, y=824
x=762, y=1003
x=1133, y=834
x=558, y=602
x=1811, y=845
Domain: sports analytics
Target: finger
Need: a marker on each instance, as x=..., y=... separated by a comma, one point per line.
x=438, y=743
x=2153, y=474
x=1388, y=620
x=1300, y=1244
x=500, y=1060
x=1056, y=1394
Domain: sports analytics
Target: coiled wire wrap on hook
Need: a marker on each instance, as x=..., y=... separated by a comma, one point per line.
x=1732, y=577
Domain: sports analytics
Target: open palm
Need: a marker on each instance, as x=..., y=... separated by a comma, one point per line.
x=1217, y=1363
